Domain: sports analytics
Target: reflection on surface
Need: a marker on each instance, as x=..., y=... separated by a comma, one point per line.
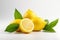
x=31, y=36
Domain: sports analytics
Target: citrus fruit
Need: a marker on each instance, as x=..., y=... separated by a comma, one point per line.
x=29, y=14
x=39, y=23
x=16, y=21
x=26, y=25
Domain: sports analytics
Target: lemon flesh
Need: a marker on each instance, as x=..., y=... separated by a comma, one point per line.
x=26, y=25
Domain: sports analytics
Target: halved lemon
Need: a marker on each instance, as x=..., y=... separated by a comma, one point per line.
x=26, y=25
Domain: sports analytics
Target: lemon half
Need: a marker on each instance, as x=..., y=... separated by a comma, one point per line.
x=26, y=25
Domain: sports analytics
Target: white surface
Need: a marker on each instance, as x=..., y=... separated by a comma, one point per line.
x=47, y=9
x=21, y=36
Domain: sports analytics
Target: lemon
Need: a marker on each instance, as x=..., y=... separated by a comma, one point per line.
x=39, y=23
x=16, y=21
x=26, y=25
x=29, y=14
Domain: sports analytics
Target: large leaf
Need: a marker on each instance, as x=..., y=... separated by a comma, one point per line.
x=12, y=27
x=17, y=15
x=46, y=24
x=52, y=24
x=49, y=26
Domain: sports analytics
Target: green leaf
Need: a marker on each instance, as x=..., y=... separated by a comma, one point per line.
x=52, y=24
x=49, y=26
x=50, y=30
x=46, y=24
x=17, y=14
x=47, y=21
x=12, y=27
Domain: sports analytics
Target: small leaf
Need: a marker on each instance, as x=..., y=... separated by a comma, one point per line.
x=17, y=14
x=46, y=24
x=46, y=21
x=49, y=26
x=52, y=24
x=12, y=27
x=50, y=30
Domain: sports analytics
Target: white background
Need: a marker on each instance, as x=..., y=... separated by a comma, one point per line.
x=47, y=9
